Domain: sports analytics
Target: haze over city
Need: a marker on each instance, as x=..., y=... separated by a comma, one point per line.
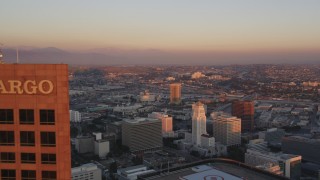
x=160, y=90
x=161, y=32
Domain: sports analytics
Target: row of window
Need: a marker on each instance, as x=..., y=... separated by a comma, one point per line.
x=26, y=116
x=27, y=138
x=10, y=174
x=27, y=158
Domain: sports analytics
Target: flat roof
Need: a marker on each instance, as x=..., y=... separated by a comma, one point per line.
x=141, y=120
x=304, y=139
x=225, y=170
x=84, y=168
x=211, y=174
x=129, y=169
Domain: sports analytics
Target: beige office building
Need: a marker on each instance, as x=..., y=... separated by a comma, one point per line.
x=166, y=123
x=226, y=128
x=142, y=134
x=175, y=93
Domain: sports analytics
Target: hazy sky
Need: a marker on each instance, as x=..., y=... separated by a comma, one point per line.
x=179, y=25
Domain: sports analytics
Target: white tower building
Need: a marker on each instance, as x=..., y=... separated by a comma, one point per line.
x=75, y=116
x=198, y=122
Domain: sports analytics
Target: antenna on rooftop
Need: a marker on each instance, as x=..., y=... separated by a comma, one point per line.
x=17, y=56
x=1, y=54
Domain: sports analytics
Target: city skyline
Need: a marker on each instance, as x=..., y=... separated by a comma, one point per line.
x=182, y=32
x=138, y=90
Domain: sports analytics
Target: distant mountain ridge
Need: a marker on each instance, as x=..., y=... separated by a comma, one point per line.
x=52, y=55
x=115, y=56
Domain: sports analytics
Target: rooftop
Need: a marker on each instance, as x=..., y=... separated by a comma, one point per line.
x=279, y=156
x=304, y=139
x=211, y=173
x=132, y=169
x=215, y=168
x=84, y=167
x=140, y=120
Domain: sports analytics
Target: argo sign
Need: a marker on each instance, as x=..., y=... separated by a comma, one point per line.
x=26, y=87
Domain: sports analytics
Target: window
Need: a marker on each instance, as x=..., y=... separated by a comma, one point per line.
x=28, y=175
x=26, y=116
x=27, y=138
x=48, y=139
x=28, y=158
x=6, y=116
x=6, y=138
x=48, y=158
x=47, y=117
x=8, y=174
x=49, y=175
x=7, y=157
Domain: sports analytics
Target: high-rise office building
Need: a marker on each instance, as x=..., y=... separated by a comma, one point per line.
x=142, y=134
x=34, y=122
x=226, y=128
x=199, y=120
x=175, y=93
x=75, y=116
x=166, y=122
x=245, y=111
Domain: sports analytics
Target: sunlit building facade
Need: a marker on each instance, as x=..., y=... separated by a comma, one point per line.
x=175, y=93
x=199, y=120
x=166, y=122
x=34, y=122
x=226, y=129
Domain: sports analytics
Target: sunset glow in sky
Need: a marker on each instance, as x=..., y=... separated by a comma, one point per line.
x=175, y=25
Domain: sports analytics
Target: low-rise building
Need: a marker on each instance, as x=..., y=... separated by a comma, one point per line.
x=84, y=144
x=271, y=167
x=131, y=173
x=207, y=141
x=146, y=97
x=197, y=75
x=289, y=164
x=127, y=110
x=86, y=171
x=101, y=148
x=306, y=147
x=273, y=135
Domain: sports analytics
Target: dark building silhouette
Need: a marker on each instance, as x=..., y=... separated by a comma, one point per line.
x=245, y=111
x=308, y=148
